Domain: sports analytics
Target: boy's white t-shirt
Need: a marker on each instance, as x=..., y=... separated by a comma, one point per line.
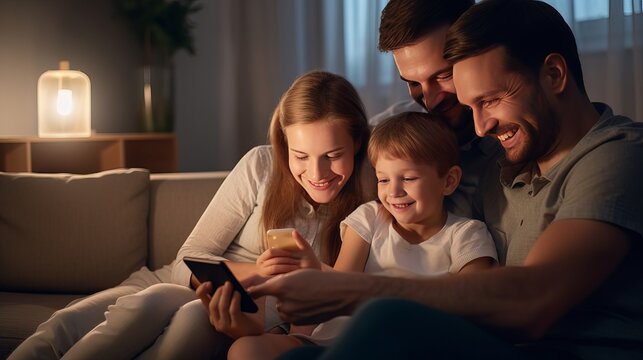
x=460, y=241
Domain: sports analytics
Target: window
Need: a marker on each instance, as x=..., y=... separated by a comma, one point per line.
x=374, y=73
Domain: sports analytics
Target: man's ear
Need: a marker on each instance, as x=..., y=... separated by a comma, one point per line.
x=452, y=180
x=554, y=73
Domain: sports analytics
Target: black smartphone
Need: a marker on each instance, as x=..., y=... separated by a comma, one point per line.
x=218, y=273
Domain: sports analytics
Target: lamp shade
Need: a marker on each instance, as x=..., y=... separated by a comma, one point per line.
x=64, y=103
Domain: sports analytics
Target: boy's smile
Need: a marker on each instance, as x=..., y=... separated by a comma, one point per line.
x=413, y=193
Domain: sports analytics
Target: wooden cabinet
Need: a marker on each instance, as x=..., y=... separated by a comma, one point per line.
x=153, y=151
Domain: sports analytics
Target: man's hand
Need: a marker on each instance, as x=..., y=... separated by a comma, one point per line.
x=311, y=296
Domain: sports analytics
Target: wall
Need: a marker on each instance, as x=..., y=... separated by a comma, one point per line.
x=36, y=34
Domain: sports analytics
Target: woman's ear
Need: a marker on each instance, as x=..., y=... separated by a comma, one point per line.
x=555, y=73
x=452, y=180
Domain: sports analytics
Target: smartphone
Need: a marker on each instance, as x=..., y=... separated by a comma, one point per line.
x=218, y=273
x=281, y=239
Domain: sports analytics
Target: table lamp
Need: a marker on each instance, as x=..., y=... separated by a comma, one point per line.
x=64, y=103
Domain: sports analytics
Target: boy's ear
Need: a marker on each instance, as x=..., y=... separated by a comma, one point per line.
x=452, y=180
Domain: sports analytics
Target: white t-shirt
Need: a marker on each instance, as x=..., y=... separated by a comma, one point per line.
x=460, y=241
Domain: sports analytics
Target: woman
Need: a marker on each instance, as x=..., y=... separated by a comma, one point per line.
x=311, y=177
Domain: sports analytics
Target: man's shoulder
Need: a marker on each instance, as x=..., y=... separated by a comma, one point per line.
x=613, y=128
x=612, y=140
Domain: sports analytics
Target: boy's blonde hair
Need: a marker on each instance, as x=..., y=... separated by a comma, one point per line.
x=415, y=136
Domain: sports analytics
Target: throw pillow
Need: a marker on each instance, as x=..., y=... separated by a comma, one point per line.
x=65, y=233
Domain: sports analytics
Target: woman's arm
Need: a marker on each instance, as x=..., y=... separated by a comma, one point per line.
x=228, y=213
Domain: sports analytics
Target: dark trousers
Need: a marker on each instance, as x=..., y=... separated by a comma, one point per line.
x=401, y=329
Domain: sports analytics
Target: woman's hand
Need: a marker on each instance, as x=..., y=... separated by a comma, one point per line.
x=306, y=254
x=224, y=311
x=277, y=261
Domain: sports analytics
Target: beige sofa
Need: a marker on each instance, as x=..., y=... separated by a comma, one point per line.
x=64, y=237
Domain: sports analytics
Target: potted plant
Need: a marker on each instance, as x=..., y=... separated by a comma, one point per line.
x=163, y=27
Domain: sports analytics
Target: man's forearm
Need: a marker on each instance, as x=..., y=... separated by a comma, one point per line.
x=497, y=297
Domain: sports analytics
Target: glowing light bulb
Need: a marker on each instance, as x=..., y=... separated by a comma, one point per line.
x=64, y=103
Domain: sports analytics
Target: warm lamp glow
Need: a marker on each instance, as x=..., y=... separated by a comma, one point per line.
x=64, y=103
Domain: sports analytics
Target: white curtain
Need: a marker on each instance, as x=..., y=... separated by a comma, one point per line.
x=249, y=51
x=609, y=34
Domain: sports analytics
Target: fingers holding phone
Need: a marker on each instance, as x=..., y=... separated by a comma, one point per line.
x=217, y=273
x=280, y=257
x=275, y=261
x=287, y=251
x=226, y=315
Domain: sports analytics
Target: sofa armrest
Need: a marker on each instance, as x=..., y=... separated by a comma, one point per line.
x=177, y=201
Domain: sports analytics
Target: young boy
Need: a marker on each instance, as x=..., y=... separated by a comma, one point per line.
x=408, y=231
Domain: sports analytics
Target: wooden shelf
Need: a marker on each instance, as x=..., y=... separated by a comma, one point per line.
x=153, y=151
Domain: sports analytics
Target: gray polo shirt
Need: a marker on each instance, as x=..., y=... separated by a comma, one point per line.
x=599, y=180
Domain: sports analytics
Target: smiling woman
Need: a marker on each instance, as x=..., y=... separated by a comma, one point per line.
x=309, y=179
x=322, y=167
x=318, y=136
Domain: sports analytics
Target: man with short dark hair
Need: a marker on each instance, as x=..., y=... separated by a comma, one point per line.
x=414, y=31
x=565, y=204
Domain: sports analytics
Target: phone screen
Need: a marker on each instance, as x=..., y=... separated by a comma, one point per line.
x=218, y=273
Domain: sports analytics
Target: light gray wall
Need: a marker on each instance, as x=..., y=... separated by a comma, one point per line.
x=36, y=34
x=195, y=92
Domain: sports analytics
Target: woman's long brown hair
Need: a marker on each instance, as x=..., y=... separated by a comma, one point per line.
x=315, y=96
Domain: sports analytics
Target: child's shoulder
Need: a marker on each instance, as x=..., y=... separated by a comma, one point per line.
x=460, y=223
x=371, y=212
x=370, y=208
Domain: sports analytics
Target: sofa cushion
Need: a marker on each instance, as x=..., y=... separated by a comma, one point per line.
x=21, y=313
x=67, y=233
x=176, y=204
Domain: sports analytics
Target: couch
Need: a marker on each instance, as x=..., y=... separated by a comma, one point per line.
x=64, y=236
